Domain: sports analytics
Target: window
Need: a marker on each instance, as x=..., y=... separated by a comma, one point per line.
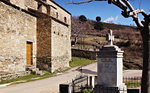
x=65, y=19
x=56, y=14
x=39, y=7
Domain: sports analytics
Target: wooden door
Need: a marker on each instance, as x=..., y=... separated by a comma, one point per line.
x=29, y=53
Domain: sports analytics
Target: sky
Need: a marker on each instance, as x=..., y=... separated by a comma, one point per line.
x=108, y=12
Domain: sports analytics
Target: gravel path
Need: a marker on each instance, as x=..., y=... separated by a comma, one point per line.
x=51, y=85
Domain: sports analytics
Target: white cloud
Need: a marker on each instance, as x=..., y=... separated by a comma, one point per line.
x=111, y=19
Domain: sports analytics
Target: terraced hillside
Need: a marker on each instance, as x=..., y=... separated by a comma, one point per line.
x=128, y=38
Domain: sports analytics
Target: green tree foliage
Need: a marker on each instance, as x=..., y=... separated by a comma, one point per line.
x=98, y=25
x=98, y=18
x=82, y=18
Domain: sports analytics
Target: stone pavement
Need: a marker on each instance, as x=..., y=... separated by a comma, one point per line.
x=51, y=85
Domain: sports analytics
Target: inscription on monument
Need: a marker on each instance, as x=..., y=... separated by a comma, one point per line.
x=106, y=60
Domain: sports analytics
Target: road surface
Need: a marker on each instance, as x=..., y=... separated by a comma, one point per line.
x=51, y=85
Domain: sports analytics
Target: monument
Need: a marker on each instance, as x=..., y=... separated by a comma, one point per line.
x=110, y=68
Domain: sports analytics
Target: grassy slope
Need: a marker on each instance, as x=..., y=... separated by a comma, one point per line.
x=28, y=78
x=76, y=61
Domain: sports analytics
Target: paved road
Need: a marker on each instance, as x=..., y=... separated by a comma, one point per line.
x=132, y=73
x=51, y=85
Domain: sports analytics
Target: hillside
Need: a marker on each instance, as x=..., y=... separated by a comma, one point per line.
x=126, y=37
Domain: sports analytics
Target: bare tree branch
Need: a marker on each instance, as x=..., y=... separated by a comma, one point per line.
x=137, y=11
x=120, y=4
x=128, y=10
x=128, y=5
x=83, y=1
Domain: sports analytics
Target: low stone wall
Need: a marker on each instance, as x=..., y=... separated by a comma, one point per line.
x=13, y=76
x=84, y=53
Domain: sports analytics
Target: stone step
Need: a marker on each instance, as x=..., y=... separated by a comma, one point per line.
x=39, y=73
x=30, y=67
x=34, y=70
x=37, y=69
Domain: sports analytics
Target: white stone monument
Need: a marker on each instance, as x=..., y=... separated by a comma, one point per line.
x=110, y=65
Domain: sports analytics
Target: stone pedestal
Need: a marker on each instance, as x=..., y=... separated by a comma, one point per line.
x=110, y=68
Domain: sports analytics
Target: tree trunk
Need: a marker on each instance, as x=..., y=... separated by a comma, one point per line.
x=145, y=87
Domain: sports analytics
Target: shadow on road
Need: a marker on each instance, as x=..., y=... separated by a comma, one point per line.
x=86, y=71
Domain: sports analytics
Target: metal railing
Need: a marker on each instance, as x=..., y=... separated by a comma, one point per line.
x=132, y=82
x=101, y=89
x=80, y=83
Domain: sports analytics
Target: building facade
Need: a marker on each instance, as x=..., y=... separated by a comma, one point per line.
x=34, y=33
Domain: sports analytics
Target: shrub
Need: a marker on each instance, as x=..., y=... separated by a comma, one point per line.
x=98, y=18
x=88, y=91
x=98, y=26
x=82, y=18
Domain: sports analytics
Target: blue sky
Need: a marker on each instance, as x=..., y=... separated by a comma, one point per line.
x=107, y=12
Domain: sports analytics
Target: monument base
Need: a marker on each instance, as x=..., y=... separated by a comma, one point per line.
x=102, y=89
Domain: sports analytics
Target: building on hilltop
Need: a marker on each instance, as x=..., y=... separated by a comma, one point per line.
x=34, y=33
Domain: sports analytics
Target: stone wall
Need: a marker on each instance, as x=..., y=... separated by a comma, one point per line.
x=25, y=4
x=84, y=53
x=9, y=76
x=60, y=35
x=59, y=12
x=49, y=34
x=44, y=42
x=16, y=28
x=53, y=43
x=61, y=49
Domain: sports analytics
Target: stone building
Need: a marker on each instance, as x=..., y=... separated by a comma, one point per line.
x=34, y=33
